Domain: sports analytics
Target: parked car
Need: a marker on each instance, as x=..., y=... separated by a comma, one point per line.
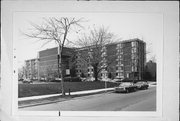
x=27, y=81
x=142, y=85
x=83, y=79
x=89, y=79
x=152, y=83
x=126, y=87
x=116, y=80
x=20, y=79
x=106, y=79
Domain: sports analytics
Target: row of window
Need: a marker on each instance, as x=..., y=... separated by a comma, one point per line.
x=134, y=44
x=89, y=70
x=120, y=74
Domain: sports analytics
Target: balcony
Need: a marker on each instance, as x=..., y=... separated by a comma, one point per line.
x=119, y=71
x=120, y=64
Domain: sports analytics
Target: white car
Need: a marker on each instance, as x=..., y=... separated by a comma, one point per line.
x=126, y=87
x=27, y=80
x=90, y=79
x=106, y=79
x=116, y=80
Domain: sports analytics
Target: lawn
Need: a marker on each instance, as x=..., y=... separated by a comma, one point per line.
x=27, y=90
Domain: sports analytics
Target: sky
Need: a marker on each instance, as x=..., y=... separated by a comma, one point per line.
x=145, y=26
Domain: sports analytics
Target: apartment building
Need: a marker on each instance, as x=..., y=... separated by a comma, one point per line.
x=131, y=59
x=31, y=68
x=48, y=62
x=124, y=59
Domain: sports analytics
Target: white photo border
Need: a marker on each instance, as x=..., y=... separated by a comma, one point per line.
x=82, y=6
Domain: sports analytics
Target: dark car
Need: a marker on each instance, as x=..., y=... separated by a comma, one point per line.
x=21, y=80
x=142, y=85
x=126, y=87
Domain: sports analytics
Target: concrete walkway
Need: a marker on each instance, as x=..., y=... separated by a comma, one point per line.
x=72, y=93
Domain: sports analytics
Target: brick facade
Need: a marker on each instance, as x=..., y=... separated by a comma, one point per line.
x=125, y=59
x=31, y=69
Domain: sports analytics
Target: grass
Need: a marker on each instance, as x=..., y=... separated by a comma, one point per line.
x=27, y=90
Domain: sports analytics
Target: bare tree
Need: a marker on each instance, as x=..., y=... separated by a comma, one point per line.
x=22, y=72
x=153, y=58
x=93, y=42
x=57, y=30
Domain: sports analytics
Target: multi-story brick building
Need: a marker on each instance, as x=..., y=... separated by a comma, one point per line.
x=31, y=68
x=104, y=56
x=124, y=59
x=48, y=62
x=131, y=58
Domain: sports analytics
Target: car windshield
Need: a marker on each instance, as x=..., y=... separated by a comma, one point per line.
x=125, y=84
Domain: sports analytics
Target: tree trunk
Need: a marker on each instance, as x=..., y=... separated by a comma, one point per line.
x=62, y=80
x=96, y=72
x=60, y=70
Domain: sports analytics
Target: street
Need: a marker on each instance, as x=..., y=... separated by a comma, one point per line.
x=142, y=100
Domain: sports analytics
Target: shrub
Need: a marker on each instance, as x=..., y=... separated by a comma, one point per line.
x=72, y=79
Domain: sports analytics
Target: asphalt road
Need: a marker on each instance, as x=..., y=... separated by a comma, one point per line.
x=143, y=100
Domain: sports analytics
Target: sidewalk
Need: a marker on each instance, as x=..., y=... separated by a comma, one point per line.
x=53, y=98
x=71, y=93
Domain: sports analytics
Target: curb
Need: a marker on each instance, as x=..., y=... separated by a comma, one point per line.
x=72, y=93
x=49, y=102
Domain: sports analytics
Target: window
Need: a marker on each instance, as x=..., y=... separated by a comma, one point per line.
x=134, y=44
x=135, y=68
x=119, y=45
x=121, y=74
x=132, y=68
x=116, y=68
x=120, y=63
x=121, y=68
x=133, y=57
